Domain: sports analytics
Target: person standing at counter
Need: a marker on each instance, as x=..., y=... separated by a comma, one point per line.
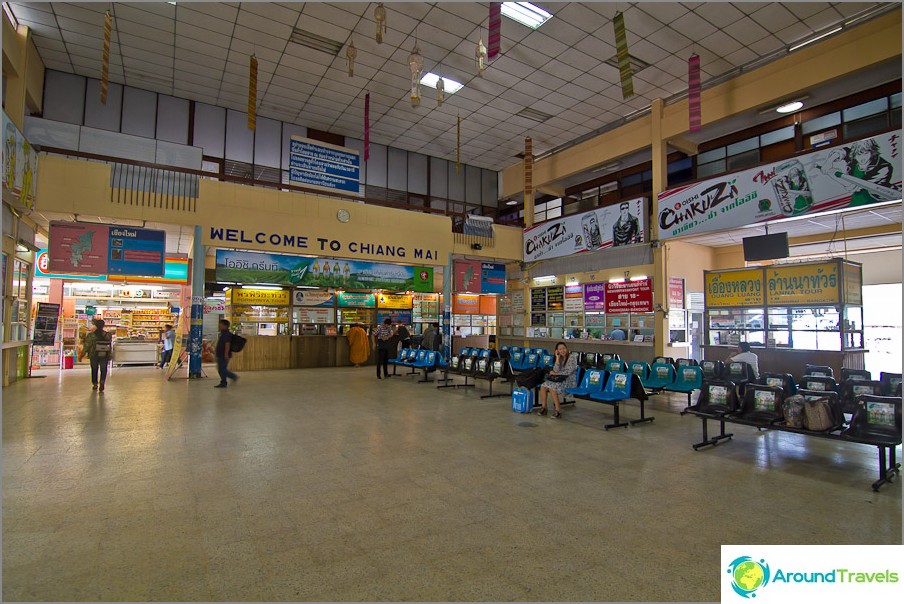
x=560, y=378
x=404, y=335
x=224, y=354
x=169, y=341
x=428, y=341
x=744, y=355
x=384, y=336
x=98, y=346
x=357, y=345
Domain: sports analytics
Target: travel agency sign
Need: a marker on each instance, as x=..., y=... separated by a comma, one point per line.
x=865, y=172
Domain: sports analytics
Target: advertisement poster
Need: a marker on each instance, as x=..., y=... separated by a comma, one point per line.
x=465, y=304
x=400, y=301
x=47, y=317
x=574, y=298
x=857, y=174
x=492, y=278
x=595, y=296
x=316, y=316
x=742, y=287
x=355, y=300
x=804, y=284
x=318, y=164
x=676, y=292
x=98, y=249
x=853, y=284
x=619, y=224
x=214, y=305
x=20, y=164
x=629, y=296
x=278, y=269
x=313, y=297
x=466, y=275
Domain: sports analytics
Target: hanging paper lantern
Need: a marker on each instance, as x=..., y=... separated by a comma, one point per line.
x=416, y=64
x=624, y=61
x=380, y=17
x=105, y=59
x=252, y=93
x=440, y=89
x=480, y=53
x=458, y=144
x=350, y=53
x=494, y=38
x=366, y=126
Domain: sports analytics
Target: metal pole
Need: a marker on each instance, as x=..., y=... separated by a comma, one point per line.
x=195, y=335
x=447, y=309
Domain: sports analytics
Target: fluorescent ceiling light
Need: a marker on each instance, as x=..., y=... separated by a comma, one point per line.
x=815, y=38
x=511, y=202
x=789, y=107
x=273, y=287
x=449, y=86
x=639, y=278
x=546, y=278
x=525, y=13
x=617, y=280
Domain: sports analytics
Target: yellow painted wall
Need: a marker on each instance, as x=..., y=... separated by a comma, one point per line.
x=688, y=261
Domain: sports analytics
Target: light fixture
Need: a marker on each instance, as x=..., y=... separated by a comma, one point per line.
x=617, y=280
x=639, y=278
x=269, y=287
x=449, y=86
x=789, y=107
x=525, y=13
x=815, y=38
x=545, y=279
x=511, y=202
x=607, y=168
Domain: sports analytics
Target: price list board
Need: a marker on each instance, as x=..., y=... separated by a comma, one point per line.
x=538, y=299
x=555, y=298
x=538, y=319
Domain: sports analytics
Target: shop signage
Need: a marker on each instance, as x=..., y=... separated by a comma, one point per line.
x=20, y=164
x=175, y=271
x=803, y=284
x=538, y=299
x=100, y=249
x=259, y=297
x=322, y=165
x=595, y=296
x=555, y=298
x=426, y=306
x=853, y=284
x=400, y=301
x=676, y=292
x=396, y=316
x=861, y=173
x=629, y=296
x=316, y=316
x=734, y=288
x=619, y=224
x=356, y=315
x=595, y=319
x=574, y=298
x=278, y=269
x=214, y=305
x=465, y=304
x=47, y=318
x=351, y=299
x=309, y=297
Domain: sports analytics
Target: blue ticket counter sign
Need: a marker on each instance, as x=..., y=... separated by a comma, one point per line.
x=317, y=164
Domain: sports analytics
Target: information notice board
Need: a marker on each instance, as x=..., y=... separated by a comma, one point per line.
x=47, y=318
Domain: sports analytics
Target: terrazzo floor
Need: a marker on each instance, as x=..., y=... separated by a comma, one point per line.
x=328, y=485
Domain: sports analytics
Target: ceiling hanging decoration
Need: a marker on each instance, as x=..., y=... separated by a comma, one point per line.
x=252, y=93
x=366, y=126
x=624, y=62
x=380, y=18
x=458, y=144
x=494, y=37
x=480, y=53
x=529, y=178
x=440, y=89
x=416, y=64
x=105, y=60
x=350, y=54
x=693, y=92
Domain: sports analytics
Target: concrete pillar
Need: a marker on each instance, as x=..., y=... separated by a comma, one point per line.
x=195, y=335
x=660, y=257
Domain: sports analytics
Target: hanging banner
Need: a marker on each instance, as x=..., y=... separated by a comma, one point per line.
x=676, y=292
x=313, y=297
x=20, y=164
x=574, y=298
x=255, y=267
x=734, y=288
x=595, y=296
x=351, y=299
x=629, y=296
x=322, y=165
x=865, y=172
x=98, y=249
x=853, y=284
x=619, y=224
x=803, y=284
x=400, y=301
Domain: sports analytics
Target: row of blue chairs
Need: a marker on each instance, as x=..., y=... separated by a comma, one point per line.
x=611, y=387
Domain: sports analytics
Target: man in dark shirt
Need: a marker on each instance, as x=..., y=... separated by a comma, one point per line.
x=224, y=353
x=627, y=228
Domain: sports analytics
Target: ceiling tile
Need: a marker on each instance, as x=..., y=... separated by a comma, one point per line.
x=220, y=11
x=720, y=43
x=746, y=31
x=796, y=32
x=579, y=16
x=692, y=26
x=88, y=13
x=824, y=19
x=198, y=48
x=132, y=12
x=194, y=32
x=258, y=38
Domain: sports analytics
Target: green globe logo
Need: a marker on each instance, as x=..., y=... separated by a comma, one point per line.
x=748, y=575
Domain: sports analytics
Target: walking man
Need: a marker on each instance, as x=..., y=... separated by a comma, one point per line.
x=224, y=354
x=169, y=341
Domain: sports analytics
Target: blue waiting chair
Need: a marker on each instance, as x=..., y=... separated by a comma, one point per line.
x=517, y=360
x=618, y=389
x=661, y=375
x=688, y=379
x=615, y=366
x=403, y=356
x=640, y=369
x=546, y=360
x=594, y=380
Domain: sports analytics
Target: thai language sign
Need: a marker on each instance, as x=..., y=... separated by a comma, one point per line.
x=629, y=296
x=867, y=171
x=426, y=306
x=255, y=267
x=734, y=288
x=555, y=298
x=47, y=318
x=466, y=304
x=466, y=275
x=400, y=301
x=351, y=299
x=803, y=284
x=20, y=164
x=309, y=297
x=619, y=224
x=574, y=298
x=538, y=298
x=676, y=292
x=595, y=296
x=853, y=284
x=316, y=316
x=98, y=249
x=396, y=316
x=259, y=297
x=318, y=164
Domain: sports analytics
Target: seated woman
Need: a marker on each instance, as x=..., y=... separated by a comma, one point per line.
x=560, y=378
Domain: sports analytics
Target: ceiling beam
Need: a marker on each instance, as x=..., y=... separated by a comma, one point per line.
x=688, y=147
x=551, y=189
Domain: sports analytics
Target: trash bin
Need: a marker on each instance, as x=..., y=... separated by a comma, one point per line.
x=68, y=362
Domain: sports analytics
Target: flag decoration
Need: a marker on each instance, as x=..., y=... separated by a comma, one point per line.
x=693, y=92
x=528, y=169
x=416, y=64
x=252, y=93
x=380, y=18
x=440, y=89
x=495, y=36
x=624, y=63
x=480, y=54
x=458, y=144
x=366, y=126
x=350, y=53
x=105, y=60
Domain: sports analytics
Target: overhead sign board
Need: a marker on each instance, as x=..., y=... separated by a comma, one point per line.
x=322, y=165
x=99, y=249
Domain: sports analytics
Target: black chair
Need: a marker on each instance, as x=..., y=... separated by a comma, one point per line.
x=712, y=370
x=667, y=360
x=834, y=402
x=741, y=374
x=819, y=383
x=855, y=375
x=717, y=398
x=589, y=360
x=851, y=389
x=891, y=382
x=819, y=370
x=783, y=380
x=686, y=363
x=877, y=421
x=762, y=404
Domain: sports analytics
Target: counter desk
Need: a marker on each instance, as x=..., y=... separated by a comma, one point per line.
x=293, y=352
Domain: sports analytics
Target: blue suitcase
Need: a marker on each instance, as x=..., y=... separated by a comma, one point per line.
x=522, y=400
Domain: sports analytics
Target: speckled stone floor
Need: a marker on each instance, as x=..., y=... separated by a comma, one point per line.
x=328, y=485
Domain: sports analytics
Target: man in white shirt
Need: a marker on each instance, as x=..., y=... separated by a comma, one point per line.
x=745, y=356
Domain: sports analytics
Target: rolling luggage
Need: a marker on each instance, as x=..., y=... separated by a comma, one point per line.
x=522, y=400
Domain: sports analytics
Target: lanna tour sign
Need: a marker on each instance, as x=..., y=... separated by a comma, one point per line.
x=803, y=284
x=742, y=287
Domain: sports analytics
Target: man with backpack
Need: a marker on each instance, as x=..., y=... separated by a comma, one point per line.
x=224, y=354
x=98, y=349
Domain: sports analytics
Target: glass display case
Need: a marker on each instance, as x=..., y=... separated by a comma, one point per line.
x=733, y=325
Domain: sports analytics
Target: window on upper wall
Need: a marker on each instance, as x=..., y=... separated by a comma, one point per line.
x=681, y=170
x=865, y=118
x=821, y=123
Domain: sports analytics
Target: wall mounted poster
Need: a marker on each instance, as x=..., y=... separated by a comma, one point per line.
x=619, y=224
x=278, y=269
x=861, y=173
x=517, y=298
x=574, y=298
x=676, y=292
x=629, y=296
x=47, y=317
x=492, y=278
x=317, y=164
x=98, y=249
x=555, y=298
x=466, y=276
x=20, y=164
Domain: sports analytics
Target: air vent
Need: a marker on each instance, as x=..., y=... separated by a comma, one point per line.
x=315, y=42
x=533, y=114
x=635, y=63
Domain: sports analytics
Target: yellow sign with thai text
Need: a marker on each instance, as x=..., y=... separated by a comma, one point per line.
x=399, y=301
x=734, y=288
x=803, y=284
x=260, y=297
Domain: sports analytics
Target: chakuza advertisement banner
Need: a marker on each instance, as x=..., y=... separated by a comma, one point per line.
x=619, y=224
x=857, y=174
